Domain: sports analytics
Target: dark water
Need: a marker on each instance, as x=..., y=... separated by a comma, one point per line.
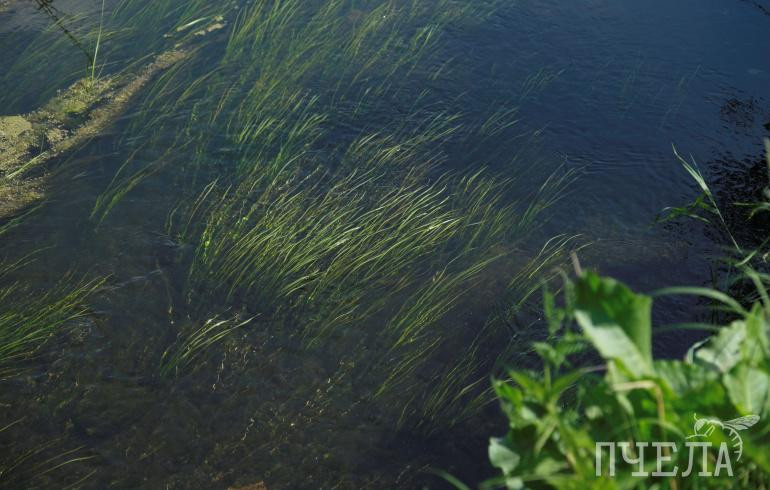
x=625, y=81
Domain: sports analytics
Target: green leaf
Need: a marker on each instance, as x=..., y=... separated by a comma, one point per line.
x=749, y=390
x=553, y=315
x=502, y=457
x=514, y=483
x=548, y=353
x=549, y=466
x=613, y=343
x=564, y=382
x=532, y=385
x=604, y=306
x=756, y=350
x=687, y=380
x=713, y=294
x=723, y=351
x=513, y=404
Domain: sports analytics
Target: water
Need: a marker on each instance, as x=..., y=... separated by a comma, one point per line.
x=625, y=81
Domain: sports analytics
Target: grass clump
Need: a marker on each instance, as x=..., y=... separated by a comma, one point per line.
x=319, y=199
x=29, y=318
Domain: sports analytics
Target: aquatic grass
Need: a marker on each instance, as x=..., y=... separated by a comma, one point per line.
x=50, y=44
x=295, y=232
x=95, y=56
x=29, y=318
x=121, y=185
x=341, y=252
x=445, y=393
x=742, y=265
x=369, y=236
x=697, y=176
x=425, y=308
x=276, y=52
x=194, y=343
x=36, y=463
x=317, y=210
x=320, y=203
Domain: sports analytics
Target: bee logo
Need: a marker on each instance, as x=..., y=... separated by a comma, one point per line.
x=704, y=427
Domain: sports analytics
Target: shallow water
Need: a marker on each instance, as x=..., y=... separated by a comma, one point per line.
x=625, y=81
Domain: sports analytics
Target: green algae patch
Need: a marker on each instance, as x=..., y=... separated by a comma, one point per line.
x=17, y=135
x=13, y=127
x=78, y=100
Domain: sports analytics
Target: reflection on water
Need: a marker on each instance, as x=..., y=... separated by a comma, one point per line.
x=606, y=87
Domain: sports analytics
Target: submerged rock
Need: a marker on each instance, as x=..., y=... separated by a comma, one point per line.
x=75, y=115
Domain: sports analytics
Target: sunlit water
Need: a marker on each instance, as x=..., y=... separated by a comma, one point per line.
x=627, y=80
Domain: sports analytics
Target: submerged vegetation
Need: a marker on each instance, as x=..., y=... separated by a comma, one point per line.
x=328, y=236
x=28, y=319
x=317, y=222
x=31, y=321
x=336, y=258
x=370, y=247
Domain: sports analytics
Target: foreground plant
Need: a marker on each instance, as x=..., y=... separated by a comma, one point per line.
x=603, y=413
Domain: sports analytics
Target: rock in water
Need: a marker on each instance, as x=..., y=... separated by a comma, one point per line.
x=77, y=114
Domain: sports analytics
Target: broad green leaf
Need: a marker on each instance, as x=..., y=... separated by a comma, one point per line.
x=749, y=390
x=531, y=385
x=612, y=343
x=508, y=393
x=513, y=405
x=605, y=304
x=549, y=466
x=723, y=351
x=514, y=483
